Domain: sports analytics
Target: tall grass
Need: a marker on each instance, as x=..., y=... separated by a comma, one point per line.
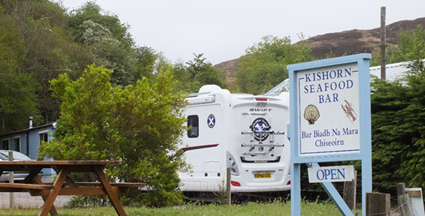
x=280, y=208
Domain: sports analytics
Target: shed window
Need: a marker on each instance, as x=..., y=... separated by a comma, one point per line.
x=44, y=137
x=193, y=125
x=5, y=144
x=17, y=143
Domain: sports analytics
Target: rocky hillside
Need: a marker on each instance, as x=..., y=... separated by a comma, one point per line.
x=342, y=43
x=358, y=41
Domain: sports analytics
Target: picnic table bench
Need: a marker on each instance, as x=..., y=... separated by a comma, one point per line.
x=64, y=185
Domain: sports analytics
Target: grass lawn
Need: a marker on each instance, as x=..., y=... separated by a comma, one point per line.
x=254, y=209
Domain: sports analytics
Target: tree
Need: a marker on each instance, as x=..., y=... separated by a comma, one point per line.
x=17, y=89
x=110, y=53
x=398, y=130
x=108, y=40
x=398, y=140
x=139, y=124
x=48, y=48
x=202, y=73
x=91, y=11
x=264, y=64
x=181, y=77
x=197, y=66
x=146, y=58
x=410, y=47
x=389, y=148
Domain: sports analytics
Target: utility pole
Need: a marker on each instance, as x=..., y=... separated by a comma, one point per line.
x=11, y=180
x=383, y=44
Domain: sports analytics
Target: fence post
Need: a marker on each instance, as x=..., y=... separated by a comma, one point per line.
x=349, y=194
x=378, y=204
x=404, y=200
x=229, y=193
x=11, y=180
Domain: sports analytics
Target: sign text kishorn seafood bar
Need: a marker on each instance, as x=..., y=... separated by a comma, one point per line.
x=328, y=105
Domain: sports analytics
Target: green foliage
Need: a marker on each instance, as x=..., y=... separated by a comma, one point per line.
x=146, y=58
x=47, y=48
x=192, y=75
x=108, y=40
x=139, y=124
x=17, y=89
x=110, y=52
x=221, y=194
x=40, y=40
x=181, y=75
x=91, y=11
x=197, y=66
x=201, y=72
x=264, y=64
x=389, y=144
x=398, y=130
x=410, y=47
x=17, y=100
x=397, y=116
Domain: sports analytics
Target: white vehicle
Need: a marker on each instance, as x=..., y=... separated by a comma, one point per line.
x=244, y=132
x=17, y=175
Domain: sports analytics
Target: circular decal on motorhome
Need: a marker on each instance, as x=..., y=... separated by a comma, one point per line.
x=211, y=121
x=260, y=125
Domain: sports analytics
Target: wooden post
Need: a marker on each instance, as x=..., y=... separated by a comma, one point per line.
x=378, y=204
x=349, y=194
x=229, y=193
x=11, y=180
x=404, y=200
x=383, y=44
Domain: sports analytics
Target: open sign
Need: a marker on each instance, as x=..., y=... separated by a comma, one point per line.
x=331, y=174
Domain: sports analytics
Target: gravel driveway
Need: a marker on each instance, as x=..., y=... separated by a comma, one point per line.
x=25, y=200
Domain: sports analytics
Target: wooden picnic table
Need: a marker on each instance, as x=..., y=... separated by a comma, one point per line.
x=64, y=185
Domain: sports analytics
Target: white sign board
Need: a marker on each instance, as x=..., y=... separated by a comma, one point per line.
x=330, y=121
x=328, y=110
x=331, y=174
x=417, y=201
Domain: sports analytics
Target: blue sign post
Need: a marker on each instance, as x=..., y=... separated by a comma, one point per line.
x=330, y=121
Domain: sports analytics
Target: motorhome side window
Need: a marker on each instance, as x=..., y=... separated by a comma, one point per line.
x=193, y=125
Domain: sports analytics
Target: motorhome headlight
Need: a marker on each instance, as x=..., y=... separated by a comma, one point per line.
x=231, y=163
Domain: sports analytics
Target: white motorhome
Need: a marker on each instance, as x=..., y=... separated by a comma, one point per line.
x=244, y=132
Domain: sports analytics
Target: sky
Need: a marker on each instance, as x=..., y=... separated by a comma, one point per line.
x=223, y=29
